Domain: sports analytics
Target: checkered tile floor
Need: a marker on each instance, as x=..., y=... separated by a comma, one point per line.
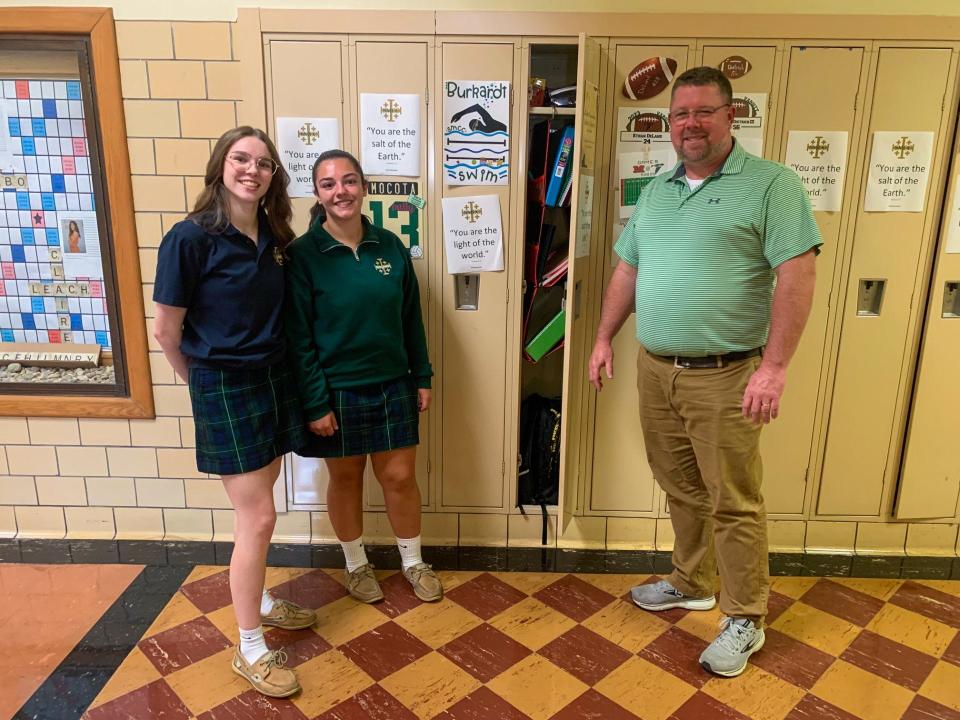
x=509, y=646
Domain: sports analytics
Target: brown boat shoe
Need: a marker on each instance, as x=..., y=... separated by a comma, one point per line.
x=426, y=584
x=267, y=675
x=362, y=584
x=289, y=616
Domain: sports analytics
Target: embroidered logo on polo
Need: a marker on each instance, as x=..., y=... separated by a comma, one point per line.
x=382, y=266
x=278, y=257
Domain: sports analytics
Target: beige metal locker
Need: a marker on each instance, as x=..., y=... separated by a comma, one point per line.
x=912, y=88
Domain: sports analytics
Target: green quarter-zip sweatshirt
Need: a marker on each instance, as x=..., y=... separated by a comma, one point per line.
x=352, y=318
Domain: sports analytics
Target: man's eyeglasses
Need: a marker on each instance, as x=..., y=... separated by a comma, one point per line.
x=263, y=164
x=700, y=115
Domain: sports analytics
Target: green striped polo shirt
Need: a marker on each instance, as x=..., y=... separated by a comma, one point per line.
x=705, y=257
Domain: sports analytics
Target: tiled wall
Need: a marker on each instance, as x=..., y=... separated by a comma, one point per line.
x=137, y=479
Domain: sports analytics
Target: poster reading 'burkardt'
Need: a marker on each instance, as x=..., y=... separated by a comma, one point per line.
x=476, y=136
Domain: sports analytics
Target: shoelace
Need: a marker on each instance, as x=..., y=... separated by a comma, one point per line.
x=419, y=569
x=278, y=658
x=733, y=637
x=361, y=573
x=668, y=589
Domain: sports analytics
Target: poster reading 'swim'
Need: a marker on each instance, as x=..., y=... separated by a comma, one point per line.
x=476, y=137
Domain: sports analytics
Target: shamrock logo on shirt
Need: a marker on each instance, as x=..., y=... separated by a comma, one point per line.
x=382, y=266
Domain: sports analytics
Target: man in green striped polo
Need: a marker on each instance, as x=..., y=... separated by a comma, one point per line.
x=718, y=263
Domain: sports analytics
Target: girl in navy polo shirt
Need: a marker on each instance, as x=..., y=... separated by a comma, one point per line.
x=218, y=293
x=357, y=341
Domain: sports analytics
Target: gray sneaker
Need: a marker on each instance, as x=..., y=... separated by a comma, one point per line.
x=362, y=584
x=664, y=596
x=727, y=656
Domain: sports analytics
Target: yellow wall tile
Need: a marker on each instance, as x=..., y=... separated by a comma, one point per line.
x=111, y=491
x=144, y=39
x=172, y=400
x=132, y=462
x=161, y=432
x=168, y=220
x=931, y=539
x=786, y=535
x=202, y=40
x=148, y=263
x=40, y=522
x=193, y=187
x=188, y=433
x=182, y=156
x=4, y=468
x=17, y=490
x=157, y=192
x=160, y=492
x=206, y=118
x=176, y=79
x=377, y=530
x=141, y=156
x=160, y=372
x=54, y=431
x=178, y=463
x=96, y=431
x=133, y=79
x=59, y=490
x=222, y=525
x=206, y=493
x=83, y=461
x=148, y=229
x=881, y=538
x=90, y=522
x=14, y=431
x=631, y=533
x=151, y=118
x=151, y=340
x=483, y=529
x=585, y=532
x=321, y=529
x=665, y=535
x=29, y=460
x=187, y=524
x=224, y=81
x=8, y=522
x=138, y=523
x=439, y=528
x=525, y=531
x=292, y=527
x=830, y=536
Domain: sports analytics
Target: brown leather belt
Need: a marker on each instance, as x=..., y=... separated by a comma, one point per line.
x=708, y=361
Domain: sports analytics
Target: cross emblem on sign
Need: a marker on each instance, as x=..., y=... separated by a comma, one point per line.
x=308, y=134
x=902, y=147
x=471, y=211
x=391, y=110
x=817, y=147
x=382, y=266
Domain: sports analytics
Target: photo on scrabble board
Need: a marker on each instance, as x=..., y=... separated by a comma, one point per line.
x=80, y=244
x=476, y=134
x=390, y=134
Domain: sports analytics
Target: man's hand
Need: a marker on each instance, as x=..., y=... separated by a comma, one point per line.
x=761, y=399
x=423, y=399
x=325, y=426
x=601, y=357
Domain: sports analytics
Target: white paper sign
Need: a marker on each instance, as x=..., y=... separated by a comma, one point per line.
x=390, y=134
x=299, y=141
x=819, y=157
x=473, y=234
x=6, y=143
x=750, y=114
x=584, y=216
x=79, y=243
x=637, y=169
x=899, y=170
x=476, y=135
x=953, y=230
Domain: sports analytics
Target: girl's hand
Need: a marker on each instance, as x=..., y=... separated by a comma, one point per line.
x=325, y=426
x=423, y=399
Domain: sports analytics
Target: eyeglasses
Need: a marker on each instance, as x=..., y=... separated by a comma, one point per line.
x=263, y=164
x=700, y=115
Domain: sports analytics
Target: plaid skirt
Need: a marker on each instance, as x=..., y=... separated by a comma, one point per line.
x=371, y=418
x=244, y=418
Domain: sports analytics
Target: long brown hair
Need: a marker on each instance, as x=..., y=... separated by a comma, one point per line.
x=211, y=210
x=317, y=213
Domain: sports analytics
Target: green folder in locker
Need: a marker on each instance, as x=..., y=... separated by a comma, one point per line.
x=551, y=334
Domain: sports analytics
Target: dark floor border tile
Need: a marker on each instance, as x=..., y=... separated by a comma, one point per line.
x=443, y=557
x=73, y=685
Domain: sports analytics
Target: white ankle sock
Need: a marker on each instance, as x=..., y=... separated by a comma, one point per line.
x=354, y=553
x=266, y=602
x=252, y=644
x=409, y=551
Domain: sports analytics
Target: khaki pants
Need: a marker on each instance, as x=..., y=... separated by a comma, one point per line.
x=706, y=457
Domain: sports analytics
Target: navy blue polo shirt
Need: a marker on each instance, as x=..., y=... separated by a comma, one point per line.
x=232, y=290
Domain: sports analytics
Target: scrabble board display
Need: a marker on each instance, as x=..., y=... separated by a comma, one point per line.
x=51, y=289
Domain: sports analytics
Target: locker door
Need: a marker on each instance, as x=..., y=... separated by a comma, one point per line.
x=397, y=67
x=470, y=392
x=584, y=238
x=622, y=481
x=875, y=342
x=786, y=444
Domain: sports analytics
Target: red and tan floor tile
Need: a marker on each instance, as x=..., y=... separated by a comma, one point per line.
x=541, y=646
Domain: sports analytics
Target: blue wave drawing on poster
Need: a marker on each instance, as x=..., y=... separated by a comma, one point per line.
x=476, y=156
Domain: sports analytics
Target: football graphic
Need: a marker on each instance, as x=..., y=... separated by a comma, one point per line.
x=744, y=108
x=648, y=122
x=735, y=66
x=649, y=78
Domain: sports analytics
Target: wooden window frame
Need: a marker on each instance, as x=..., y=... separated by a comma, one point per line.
x=97, y=25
